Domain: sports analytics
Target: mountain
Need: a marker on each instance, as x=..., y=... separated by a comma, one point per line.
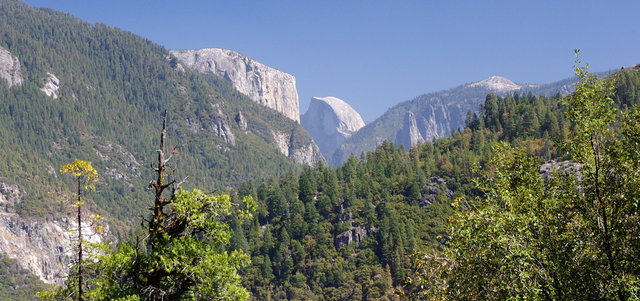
x=497, y=84
x=437, y=114
x=263, y=84
x=70, y=89
x=330, y=121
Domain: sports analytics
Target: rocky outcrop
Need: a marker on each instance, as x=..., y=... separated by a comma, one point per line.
x=291, y=146
x=305, y=154
x=119, y=163
x=42, y=246
x=409, y=134
x=220, y=127
x=241, y=121
x=216, y=122
x=548, y=168
x=51, y=85
x=9, y=194
x=10, y=68
x=353, y=235
x=435, y=187
x=330, y=121
x=265, y=85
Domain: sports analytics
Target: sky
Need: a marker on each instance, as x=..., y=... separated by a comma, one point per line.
x=374, y=54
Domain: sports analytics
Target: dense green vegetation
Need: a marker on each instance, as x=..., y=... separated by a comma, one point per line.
x=401, y=199
x=357, y=232
x=113, y=87
x=570, y=234
x=17, y=283
x=179, y=256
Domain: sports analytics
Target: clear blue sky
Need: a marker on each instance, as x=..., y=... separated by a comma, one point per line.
x=374, y=54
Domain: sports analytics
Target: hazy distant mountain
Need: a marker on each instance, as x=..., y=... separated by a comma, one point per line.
x=437, y=114
x=263, y=84
x=330, y=121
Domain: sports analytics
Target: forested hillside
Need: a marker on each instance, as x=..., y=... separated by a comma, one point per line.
x=348, y=233
x=97, y=93
x=113, y=88
x=563, y=230
x=356, y=232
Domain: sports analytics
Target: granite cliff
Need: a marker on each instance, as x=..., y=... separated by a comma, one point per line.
x=436, y=114
x=10, y=68
x=263, y=84
x=43, y=247
x=330, y=121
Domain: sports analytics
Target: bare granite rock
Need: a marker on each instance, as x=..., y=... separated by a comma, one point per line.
x=353, y=235
x=497, y=84
x=10, y=68
x=409, y=135
x=263, y=84
x=548, y=168
x=51, y=85
x=330, y=121
x=303, y=153
x=42, y=246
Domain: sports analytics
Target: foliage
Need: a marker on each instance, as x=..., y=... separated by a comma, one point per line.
x=17, y=283
x=84, y=172
x=185, y=264
x=113, y=87
x=85, y=176
x=571, y=235
x=182, y=257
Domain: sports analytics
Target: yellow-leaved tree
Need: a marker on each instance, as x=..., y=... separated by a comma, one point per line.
x=85, y=178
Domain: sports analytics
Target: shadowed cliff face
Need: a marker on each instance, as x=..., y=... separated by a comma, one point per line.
x=330, y=121
x=265, y=85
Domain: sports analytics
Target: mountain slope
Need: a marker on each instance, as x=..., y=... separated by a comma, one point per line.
x=347, y=233
x=97, y=93
x=437, y=114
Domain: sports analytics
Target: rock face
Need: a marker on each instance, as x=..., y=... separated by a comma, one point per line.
x=435, y=115
x=41, y=246
x=497, y=84
x=221, y=128
x=330, y=121
x=303, y=153
x=265, y=85
x=409, y=134
x=10, y=68
x=216, y=122
x=355, y=234
x=436, y=186
x=51, y=85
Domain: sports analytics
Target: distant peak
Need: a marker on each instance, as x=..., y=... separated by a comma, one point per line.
x=497, y=83
x=349, y=118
